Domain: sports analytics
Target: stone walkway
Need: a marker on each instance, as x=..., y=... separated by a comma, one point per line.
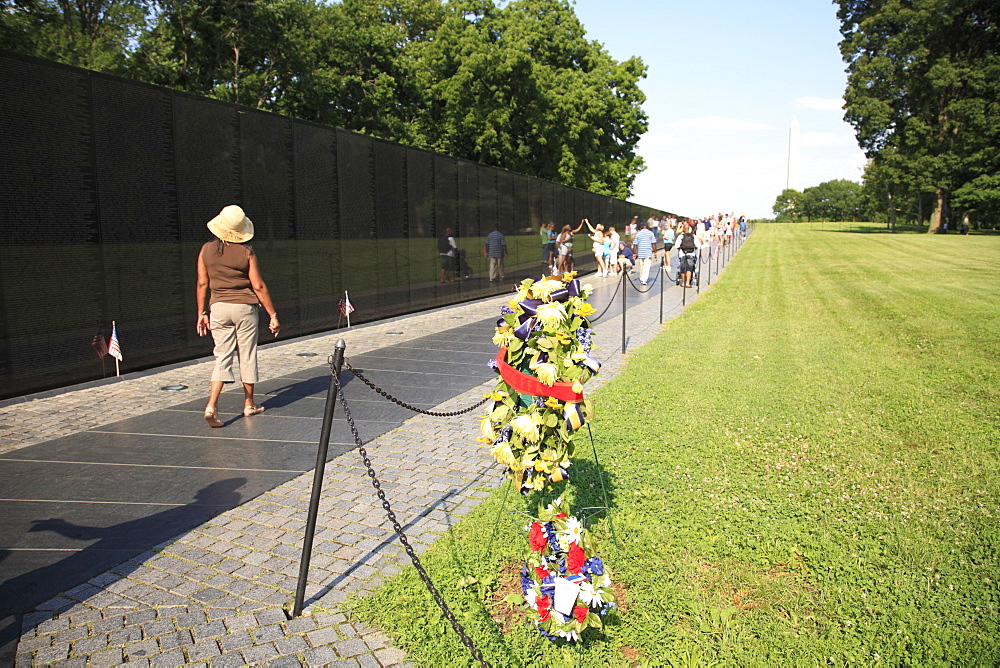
x=216, y=595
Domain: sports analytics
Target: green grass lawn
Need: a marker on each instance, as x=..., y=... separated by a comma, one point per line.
x=803, y=469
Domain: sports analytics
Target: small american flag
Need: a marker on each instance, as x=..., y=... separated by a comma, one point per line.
x=345, y=305
x=114, y=349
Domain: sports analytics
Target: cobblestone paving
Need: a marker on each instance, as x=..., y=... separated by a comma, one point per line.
x=217, y=594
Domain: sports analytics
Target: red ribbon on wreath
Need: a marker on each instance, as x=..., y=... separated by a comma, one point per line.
x=525, y=384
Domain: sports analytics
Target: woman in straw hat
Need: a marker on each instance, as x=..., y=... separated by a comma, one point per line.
x=230, y=292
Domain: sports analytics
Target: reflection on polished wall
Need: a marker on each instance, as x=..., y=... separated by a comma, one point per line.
x=109, y=184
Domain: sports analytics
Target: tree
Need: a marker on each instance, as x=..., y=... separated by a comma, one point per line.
x=923, y=81
x=521, y=88
x=833, y=200
x=96, y=34
x=786, y=207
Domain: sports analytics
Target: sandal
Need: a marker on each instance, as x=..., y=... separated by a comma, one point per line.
x=249, y=411
x=212, y=418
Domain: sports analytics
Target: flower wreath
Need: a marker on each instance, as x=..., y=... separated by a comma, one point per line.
x=544, y=360
x=564, y=590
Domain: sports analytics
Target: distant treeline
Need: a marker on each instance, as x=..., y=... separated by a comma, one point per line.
x=517, y=86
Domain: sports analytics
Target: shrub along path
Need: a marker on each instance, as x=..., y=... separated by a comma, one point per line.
x=803, y=468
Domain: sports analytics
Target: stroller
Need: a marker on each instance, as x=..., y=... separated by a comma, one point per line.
x=686, y=262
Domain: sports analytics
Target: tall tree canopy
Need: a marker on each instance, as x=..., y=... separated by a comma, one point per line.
x=516, y=85
x=923, y=95
x=96, y=34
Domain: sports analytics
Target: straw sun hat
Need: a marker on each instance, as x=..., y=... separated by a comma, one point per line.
x=232, y=225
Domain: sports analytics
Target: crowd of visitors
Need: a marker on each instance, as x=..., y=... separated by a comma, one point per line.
x=645, y=239
x=613, y=253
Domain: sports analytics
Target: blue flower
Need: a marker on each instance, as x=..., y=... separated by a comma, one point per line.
x=594, y=565
x=550, y=533
x=506, y=310
x=526, y=582
x=493, y=364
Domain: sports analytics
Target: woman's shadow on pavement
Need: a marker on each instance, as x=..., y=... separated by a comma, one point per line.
x=116, y=545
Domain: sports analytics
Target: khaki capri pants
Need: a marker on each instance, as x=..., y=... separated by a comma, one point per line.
x=234, y=330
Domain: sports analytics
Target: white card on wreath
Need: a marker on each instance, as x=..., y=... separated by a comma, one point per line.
x=565, y=598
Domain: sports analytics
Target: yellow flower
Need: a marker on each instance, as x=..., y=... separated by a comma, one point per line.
x=552, y=314
x=519, y=297
x=577, y=386
x=486, y=428
x=585, y=309
x=495, y=396
x=503, y=336
x=552, y=402
x=569, y=276
x=526, y=427
x=542, y=289
x=480, y=439
x=547, y=373
x=503, y=454
x=563, y=338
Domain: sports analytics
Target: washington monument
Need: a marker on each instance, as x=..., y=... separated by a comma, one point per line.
x=793, y=155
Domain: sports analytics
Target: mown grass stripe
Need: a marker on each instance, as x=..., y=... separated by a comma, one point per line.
x=803, y=466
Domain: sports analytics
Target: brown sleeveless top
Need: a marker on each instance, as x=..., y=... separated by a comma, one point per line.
x=229, y=273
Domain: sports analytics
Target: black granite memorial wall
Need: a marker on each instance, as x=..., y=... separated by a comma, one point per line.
x=108, y=184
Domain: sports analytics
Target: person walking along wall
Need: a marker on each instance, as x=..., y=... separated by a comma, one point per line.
x=644, y=246
x=495, y=250
x=230, y=291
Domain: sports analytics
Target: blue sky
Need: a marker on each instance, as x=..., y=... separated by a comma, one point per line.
x=724, y=80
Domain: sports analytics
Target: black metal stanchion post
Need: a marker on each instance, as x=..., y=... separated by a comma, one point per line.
x=697, y=282
x=663, y=281
x=709, y=264
x=624, y=307
x=336, y=362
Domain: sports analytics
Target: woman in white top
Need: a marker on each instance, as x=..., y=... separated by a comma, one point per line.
x=614, y=239
x=597, y=235
x=564, y=244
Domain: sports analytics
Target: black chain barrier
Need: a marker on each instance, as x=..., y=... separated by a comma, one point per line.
x=397, y=527
x=649, y=286
x=402, y=403
x=666, y=270
x=618, y=285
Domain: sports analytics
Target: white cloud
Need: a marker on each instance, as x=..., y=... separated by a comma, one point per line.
x=820, y=103
x=718, y=124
